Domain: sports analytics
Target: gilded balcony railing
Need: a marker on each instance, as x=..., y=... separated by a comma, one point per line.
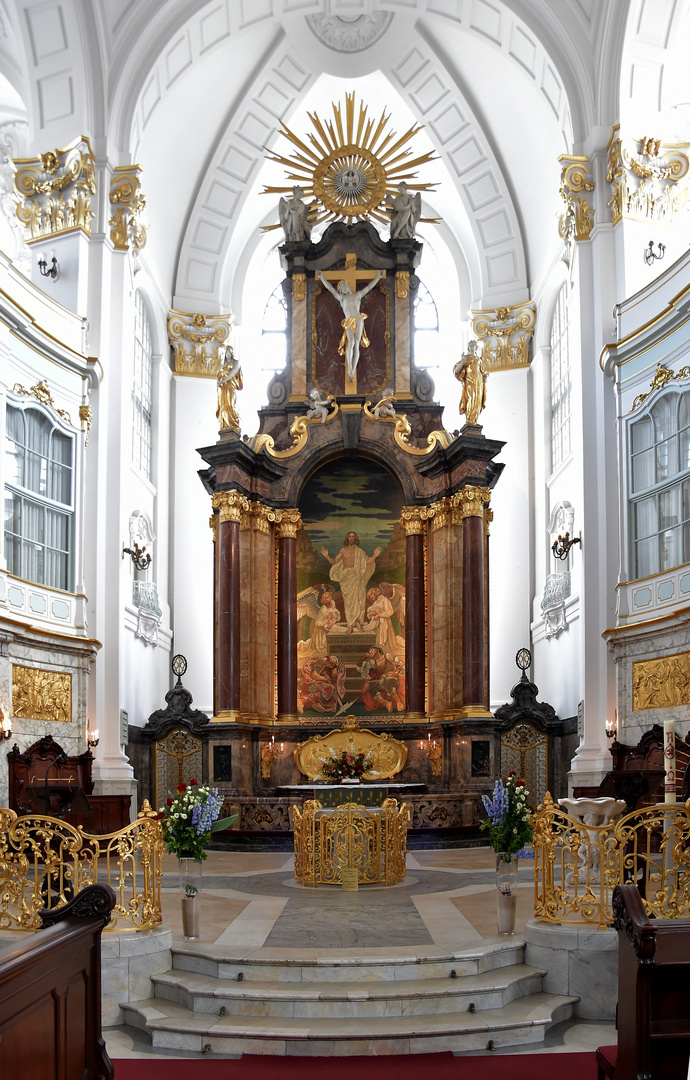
x=577, y=865
x=45, y=862
x=372, y=841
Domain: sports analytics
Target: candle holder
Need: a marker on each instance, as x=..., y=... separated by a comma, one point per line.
x=269, y=753
x=5, y=726
x=612, y=728
x=433, y=752
x=92, y=737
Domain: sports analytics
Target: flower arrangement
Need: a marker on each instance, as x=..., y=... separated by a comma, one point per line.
x=189, y=818
x=345, y=766
x=510, y=817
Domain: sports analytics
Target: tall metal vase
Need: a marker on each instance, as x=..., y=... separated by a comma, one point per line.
x=190, y=890
x=506, y=891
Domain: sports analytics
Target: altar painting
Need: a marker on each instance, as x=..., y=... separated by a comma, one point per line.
x=351, y=593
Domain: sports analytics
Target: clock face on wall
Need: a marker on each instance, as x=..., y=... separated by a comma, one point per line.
x=523, y=658
x=179, y=665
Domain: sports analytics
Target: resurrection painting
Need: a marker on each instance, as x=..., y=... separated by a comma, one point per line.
x=351, y=592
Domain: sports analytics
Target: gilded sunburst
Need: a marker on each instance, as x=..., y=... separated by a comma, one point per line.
x=348, y=166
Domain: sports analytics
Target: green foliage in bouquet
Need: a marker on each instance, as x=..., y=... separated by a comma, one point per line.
x=190, y=817
x=510, y=817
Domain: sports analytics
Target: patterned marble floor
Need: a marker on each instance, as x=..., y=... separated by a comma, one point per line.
x=446, y=899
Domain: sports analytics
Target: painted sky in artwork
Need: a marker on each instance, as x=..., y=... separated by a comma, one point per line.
x=348, y=495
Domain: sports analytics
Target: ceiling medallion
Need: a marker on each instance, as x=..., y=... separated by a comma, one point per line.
x=349, y=169
x=349, y=33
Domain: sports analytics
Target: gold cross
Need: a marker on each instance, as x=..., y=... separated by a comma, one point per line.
x=351, y=275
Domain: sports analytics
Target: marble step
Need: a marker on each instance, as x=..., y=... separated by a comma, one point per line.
x=522, y=1021
x=370, y=965
x=413, y=997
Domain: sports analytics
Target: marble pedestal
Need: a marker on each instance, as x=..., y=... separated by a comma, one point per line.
x=580, y=961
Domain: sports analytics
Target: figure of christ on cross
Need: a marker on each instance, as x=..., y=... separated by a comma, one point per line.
x=349, y=299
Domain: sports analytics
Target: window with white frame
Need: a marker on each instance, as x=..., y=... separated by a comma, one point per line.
x=274, y=331
x=659, y=485
x=39, y=498
x=142, y=389
x=560, y=381
x=425, y=323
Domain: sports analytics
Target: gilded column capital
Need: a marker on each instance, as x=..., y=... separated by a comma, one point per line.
x=287, y=522
x=55, y=191
x=299, y=287
x=126, y=224
x=645, y=176
x=213, y=523
x=231, y=505
x=441, y=514
x=577, y=219
x=413, y=519
x=198, y=342
x=259, y=517
x=488, y=518
x=504, y=334
x=469, y=502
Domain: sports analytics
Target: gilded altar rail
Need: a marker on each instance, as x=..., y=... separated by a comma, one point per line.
x=350, y=837
x=44, y=862
x=577, y=865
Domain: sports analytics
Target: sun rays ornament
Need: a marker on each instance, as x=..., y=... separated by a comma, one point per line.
x=350, y=167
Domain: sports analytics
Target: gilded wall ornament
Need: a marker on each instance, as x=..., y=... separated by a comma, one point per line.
x=645, y=178
x=505, y=334
x=402, y=284
x=402, y=430
x=662, y=376
x=198, y=342
x=299, y=430
x=41, y=695
x=299, y=287
x=577, y=219
x=41, y=392
x=661, y=683
x=55, y=191
x=126, y=225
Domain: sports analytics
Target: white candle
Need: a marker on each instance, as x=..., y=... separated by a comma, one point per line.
x=670, y=761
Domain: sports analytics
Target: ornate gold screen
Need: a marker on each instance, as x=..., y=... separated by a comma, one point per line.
x=526, y=751
x=178, y=759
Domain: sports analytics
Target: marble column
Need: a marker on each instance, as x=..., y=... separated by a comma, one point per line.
x=414, y=520
x=227, y=666
x=471, y=503
x=287, y=524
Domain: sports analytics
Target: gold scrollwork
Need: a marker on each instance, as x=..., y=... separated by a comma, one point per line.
x=198, y=342
x=41, y=392
x=126, y=224
x=662, y=376
x=299, y=287
x=402, y=284
x=645, y=180
x=576, y=222
x=230, y=504
x=469, y=502
x=505, y=333
x=56, y=190
x=41, y=695
x=213, y=525
x=402, y=432
x=299, y=430
x=488, y=518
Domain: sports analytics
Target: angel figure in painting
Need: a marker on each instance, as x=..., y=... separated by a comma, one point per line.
x=470, y=371
x=352, y=568
x=294, y=217
x=405, y=211
x=229, y=382
x=318, y=409
x=353, y=323
x=323, y=611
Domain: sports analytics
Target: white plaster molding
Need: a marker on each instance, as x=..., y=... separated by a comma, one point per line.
x=349, y=33
x=141, y=529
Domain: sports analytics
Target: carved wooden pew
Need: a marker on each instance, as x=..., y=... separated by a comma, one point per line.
x=50, y=995
x=653, y=992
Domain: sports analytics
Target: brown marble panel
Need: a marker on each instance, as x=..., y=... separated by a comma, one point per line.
x=287, y=626
x=474, y=674
x=414, y=623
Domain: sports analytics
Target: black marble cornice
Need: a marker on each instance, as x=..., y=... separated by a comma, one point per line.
x=237, y=453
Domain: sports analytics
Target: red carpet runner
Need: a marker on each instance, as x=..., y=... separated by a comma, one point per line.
x=400, y=1067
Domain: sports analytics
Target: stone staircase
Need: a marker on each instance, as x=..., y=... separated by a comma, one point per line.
x=378, y=1001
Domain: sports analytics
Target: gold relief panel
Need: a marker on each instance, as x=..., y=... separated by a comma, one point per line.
x=505, y=334
x=299, y=287
x=41, y=695
x=198, y=342
x=126, y=225
x=577, y=219
x=660, y=683
x=231, y=505
x=55, y=191
x=645, y=176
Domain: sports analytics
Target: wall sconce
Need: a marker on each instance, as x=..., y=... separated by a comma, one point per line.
x=141, y=560
x=269, y=753
x=5, y=725
x=433, y=751
x=52, y=271
x=92, y=737
x=649, y=255
x=561, y=547
x=612, y=728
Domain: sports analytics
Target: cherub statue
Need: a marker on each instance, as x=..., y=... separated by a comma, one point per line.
x=405, y=211
x=229, y=382
x=318, y=410
x=353, y=323
x=385, y=407
x=294, y=217
x=470, y=371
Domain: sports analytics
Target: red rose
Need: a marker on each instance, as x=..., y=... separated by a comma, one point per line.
x=169, y=802
x=512, y=773
x=520, y=783
x=192, y=781
x=159, y=817
x=181, y=787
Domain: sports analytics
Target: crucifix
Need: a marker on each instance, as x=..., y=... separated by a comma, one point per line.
x=349, y=299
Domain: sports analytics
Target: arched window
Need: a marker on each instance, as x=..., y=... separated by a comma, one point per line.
x=659, y=468
x=39, y=498
x=425, y=329
x=560, y=382
x=142, y=389
x=274, y=331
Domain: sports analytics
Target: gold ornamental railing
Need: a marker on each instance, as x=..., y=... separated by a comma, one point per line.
x=577, y=866
x=373, y=841
x=45, y=862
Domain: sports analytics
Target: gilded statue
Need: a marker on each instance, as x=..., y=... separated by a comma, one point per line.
x=353, y=323
x=470, y=371
x=229, y=382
